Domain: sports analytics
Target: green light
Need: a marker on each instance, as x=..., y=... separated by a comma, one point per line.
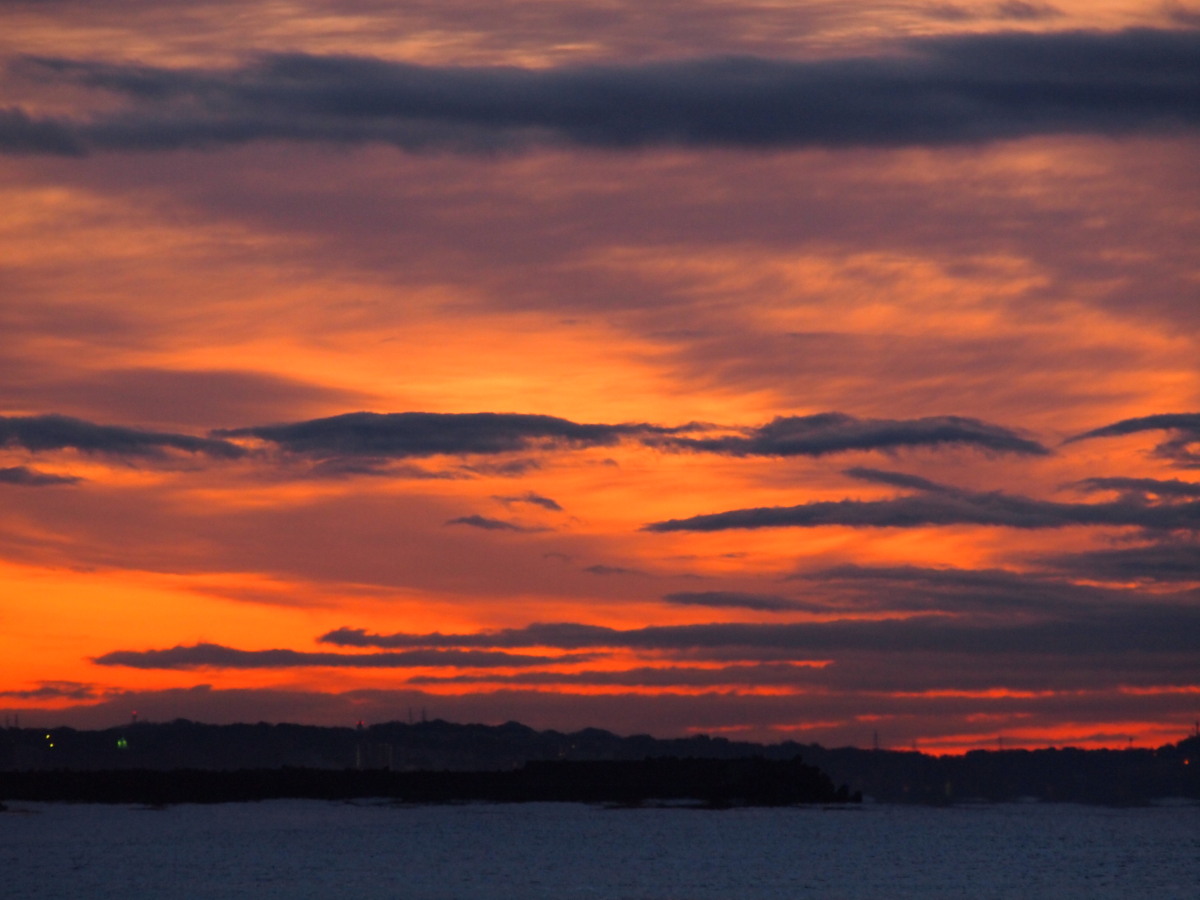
x=122, y=743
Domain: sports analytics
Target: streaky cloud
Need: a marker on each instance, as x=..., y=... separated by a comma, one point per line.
x=488, y=524
x=529, y=497
x=896, y=479
x=205, y=655
x=422, y=434
x=941, y=505
x=986, y=592
x=834, y=432
x=740, y=600
x=755, y=675
x=1161, y=562
x=1185, y=428
x=603, y=570
x=27, y=477
x=54, y=432
x=56, y=690
x=25, y=135
x=1150, y=628
x=933, y=90
x=1145, y=487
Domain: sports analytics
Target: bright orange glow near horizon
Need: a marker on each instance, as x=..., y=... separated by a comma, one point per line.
x=528, y=364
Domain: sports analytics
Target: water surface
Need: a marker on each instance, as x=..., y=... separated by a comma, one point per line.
x=304, y=848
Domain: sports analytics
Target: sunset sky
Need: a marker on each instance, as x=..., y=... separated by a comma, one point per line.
x=775, y=370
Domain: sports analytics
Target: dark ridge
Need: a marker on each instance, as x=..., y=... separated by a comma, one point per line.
x=437, y=760
x=710, y=783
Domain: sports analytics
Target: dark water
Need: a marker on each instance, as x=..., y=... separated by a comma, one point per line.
x=297, y=849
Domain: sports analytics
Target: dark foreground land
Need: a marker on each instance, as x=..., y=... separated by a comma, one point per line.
x=714, y=783
x=440, y=761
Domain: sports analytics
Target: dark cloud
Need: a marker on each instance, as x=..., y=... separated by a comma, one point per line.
x=876, y=675
x=1183, y=14
x=1155, y=628
x=564, y=635
x=352, y=467
x=600, y=569
x=939, y=90
x=1185, y=428
x=51, y=432
x=217, y=656
x=943, y=505
x=739, y=600
x=22, y=134
x=487, y=524
x=1164, y=562
x=419, y=434
x=56, y=690
x=980, y=592
x=1143, y=487
x=779, y=674
x=834, y=432
x=897, y=479
x=533, y=499
x=23, y=475
x=1026, y=12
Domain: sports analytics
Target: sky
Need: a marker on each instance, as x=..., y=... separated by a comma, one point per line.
x=771, y=370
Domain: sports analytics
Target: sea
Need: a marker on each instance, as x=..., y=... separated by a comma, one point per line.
x=377, y=849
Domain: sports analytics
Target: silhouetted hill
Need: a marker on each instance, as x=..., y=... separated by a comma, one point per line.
x=715, y=783
x=1092, y=776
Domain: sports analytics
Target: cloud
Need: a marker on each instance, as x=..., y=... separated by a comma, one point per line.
x=1143, y=487
x=421, y=434
x=603, y=570
x=23, y=475
x=935, y=90
x=739, y=600
x=21, y=134
x=217, y=656
x=488, y=524
x=873, y=678
x=1151, y=628
x=52, y=432
x=897, y=479
x=1163, y=562
x=834, y=432
x=380, y=436
x=1025, y=12
x=352, y=467
x=777, y=674
x=986, y=592
x=1185, y=428
x=533, y=499
x=941, y=505
x=56, y=690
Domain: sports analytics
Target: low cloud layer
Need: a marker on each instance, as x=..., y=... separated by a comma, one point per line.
x=217, y=656
x=834, y=432
x=1155, y=629
x=402, y=435
x=938, y=90
x=1184, y=429
x=739, y=600
x=27, y=477
x=52, y=432
x=420, y=434
x=941, y=505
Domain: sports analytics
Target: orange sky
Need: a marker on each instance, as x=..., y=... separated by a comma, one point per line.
x=778, y=370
